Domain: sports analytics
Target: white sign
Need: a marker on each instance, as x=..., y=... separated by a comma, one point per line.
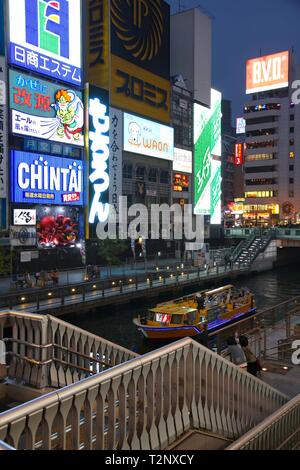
x=45, y=37
x=240, y=125
x=25, y=257
x=99, y=156
x=116, y=157
x=149, y=138
x=24, y=217
x=22, y=236
x=3, y=130
x=183, y=160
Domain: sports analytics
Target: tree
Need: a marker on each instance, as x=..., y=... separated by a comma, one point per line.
x=111, y=251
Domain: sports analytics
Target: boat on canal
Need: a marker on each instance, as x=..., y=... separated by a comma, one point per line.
x=194, y=314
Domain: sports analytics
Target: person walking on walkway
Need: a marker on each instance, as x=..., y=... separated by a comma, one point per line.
x=252, y=361
x=237, y=355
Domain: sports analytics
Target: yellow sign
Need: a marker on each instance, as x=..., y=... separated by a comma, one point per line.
x=138, y=91
x=98, y=43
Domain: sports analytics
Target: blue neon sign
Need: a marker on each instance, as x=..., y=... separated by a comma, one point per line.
x=44, y=179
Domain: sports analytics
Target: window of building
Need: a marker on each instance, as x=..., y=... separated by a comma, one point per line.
x=291, y=193
x=267, y=143
x=140, y=173
x=127, y=171
x=260, y=156
x=291, y=180
x=261, y=194
x=292, y=154
x=292, y=130
x=291, y=167
x=292, y=142
x=261, y=181
x=292, y=117
x=152, y=176
x=164, y=177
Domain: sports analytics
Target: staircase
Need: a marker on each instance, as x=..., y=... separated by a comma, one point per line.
x=248, y=250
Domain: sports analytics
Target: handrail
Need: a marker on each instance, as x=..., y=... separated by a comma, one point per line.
x=279, y=431
x=160, y=396
x=4, y=446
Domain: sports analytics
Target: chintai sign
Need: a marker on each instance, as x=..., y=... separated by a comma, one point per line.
x=37, y=179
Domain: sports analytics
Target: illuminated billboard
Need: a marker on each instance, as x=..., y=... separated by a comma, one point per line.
x=216, y=193
x=240, y=125
x=239, y=154
x=207, y=143
x=98, y=152
x=59, y=226
x=45, y=37
x=268, y=73
x=45, y=110
x=37, y=179
x=148, y=138
x=183, y=160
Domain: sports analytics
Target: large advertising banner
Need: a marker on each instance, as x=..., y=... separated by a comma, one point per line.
x=268, y=73
x=116, y=157
x=40, y=179
x=98, y=141
x=2, y=33
x=45, y=37
x=3, y=131
x=45, y=110
x=216, y=193
x=59, y=226
x=140, y=57
x=98, y=42
x=148, y=138
x=207, y=141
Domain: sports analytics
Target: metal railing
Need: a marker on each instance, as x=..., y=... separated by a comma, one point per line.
x=279, y=431
x=95, y=291
x=43, y=351
x=145, y=403
x=4, y=446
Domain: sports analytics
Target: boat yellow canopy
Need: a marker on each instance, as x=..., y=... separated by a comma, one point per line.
x=219, y=291
x=172, y=309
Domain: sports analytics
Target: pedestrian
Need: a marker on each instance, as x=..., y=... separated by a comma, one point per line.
x=253, y=365
x=237, y=355
x=37, y=276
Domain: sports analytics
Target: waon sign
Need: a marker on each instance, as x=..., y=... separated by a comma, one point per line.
x=239, y=154
x=268, y=73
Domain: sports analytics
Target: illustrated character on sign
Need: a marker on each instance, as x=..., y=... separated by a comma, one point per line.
x=69, y=111
x=57, y=231
x=134, y=134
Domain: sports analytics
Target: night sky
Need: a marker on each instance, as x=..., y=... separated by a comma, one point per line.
x=241, y=29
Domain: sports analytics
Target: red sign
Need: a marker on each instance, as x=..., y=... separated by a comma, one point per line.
x=239, y=154
x=71, y=197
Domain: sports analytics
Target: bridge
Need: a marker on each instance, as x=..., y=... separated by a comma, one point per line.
x=88, y=393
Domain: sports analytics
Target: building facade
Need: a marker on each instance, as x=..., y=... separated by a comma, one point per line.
x=272, y=166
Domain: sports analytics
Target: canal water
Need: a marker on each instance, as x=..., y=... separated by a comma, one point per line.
x=116, y=325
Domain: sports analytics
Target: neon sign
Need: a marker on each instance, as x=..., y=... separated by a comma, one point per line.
x=44, y=37
x=99, y=123
x=42, y=178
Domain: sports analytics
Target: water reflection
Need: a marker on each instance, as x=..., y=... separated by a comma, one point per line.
x=269, y=288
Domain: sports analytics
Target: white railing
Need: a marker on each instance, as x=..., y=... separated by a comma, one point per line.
x=145, y=403
x=279, y=431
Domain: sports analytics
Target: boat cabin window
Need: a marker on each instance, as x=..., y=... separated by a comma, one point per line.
x=176, y=319
x=151, y=316
x=190, y=317
x=163, y=318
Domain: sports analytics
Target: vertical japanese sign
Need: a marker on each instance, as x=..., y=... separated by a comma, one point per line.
x=98, y=143
x=2, y=34
x=207, y=140
x=216, y=193
x=3, y=130
x=115, y=161
x=98, y=42
x=239, y=154
x=45, y=37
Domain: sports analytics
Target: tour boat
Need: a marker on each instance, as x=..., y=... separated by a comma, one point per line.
x=192, y=315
